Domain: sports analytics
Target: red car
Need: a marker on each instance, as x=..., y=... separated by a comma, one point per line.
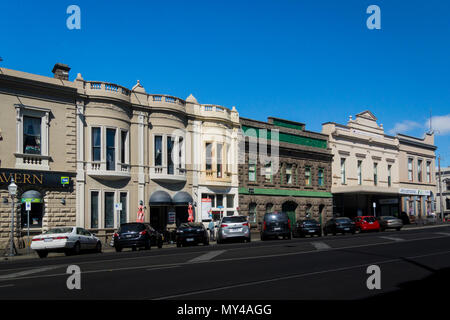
x=366, y=223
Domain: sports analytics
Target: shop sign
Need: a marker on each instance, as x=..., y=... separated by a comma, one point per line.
x=171, y=217
x=415, y=192
x=35, y=178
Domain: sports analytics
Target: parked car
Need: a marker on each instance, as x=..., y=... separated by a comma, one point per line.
x=234, y=227
x=192, y=233
x=276, y=224
x=70, y=240
x=307, y=227
x=339, y=225
x=137, y=235
x=390, y=222
x=367, y=223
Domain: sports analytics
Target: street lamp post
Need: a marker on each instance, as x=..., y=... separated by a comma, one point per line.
x=12, y=189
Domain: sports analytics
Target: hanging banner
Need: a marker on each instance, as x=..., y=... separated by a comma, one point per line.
x=206, y=208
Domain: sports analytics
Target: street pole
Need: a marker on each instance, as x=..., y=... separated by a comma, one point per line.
x=28, y=231
x=11, y=245
x=441, y=203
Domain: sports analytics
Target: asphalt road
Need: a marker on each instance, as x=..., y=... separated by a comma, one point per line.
x=332, y=267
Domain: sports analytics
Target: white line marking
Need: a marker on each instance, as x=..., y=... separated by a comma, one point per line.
x=295, y=276
x=231, y=259
x=319, y=245
x=162, y=268
x=207, y=256
x=25, y=273
x=443, y=233
x=7, y=285
x=393, y=238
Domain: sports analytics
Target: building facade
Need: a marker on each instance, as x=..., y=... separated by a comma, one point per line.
x=119, y=152
x=37, y=151
x=445, y=185
x=284, y=168
x=417, y=187
x=370, y=169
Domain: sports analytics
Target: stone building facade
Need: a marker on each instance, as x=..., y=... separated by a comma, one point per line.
x=445, y=185
x=284, y=168
x=37, y=151
x=121, y=151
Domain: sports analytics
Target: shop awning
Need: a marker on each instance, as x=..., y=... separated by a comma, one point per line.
x=160, y=198
x=32, y=196
x=182, y=198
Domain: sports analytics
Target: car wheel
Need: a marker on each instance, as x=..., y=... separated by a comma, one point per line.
x=76, y=248
x=98, y=247
x=249, y=239
x=134, y=248
x=178, y=244
x=206, y=242
x=398, y=229
x=118, y=249
x=42, y=253
x=148, y=245
x=160, y=243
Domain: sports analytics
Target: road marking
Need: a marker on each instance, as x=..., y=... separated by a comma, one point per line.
x=319, y=245
x=162, y=268
x=233, y=259
x=246, y=284
x=207, y=256
x=393, y=238
x=7, y=285
x=25, y=273
x=443, y=233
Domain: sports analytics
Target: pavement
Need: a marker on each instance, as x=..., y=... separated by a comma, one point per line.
x=332, y=267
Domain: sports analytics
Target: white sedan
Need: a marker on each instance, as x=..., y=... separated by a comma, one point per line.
x=70, y=240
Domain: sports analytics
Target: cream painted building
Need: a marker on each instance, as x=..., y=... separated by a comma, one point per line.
x=372, y=170
x=122, y=150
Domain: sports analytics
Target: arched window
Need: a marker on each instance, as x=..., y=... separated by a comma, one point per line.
x=269, y=208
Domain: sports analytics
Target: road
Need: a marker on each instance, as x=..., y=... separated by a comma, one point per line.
x=332, y=267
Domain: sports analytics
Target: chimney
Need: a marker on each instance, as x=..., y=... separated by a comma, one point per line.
x=61, y=71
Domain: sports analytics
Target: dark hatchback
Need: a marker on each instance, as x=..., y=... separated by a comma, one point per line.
x=137, y=235
x=307, y=227
x=274, y=225
x=339, y=225
x=192, y=233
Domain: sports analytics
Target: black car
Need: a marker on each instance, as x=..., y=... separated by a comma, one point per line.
x=276, y=224
x=307, y=227
x=339, y=225
x=192, y=233
x=137, y=235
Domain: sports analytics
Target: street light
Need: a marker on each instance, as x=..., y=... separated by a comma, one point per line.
x=12, y=189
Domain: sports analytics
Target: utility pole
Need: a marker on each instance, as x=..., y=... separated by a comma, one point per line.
x=441, y=204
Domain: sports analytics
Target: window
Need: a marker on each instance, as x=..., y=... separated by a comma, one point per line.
x=447, y=203
x=180, y=152
x=170, y=143
x=123, y=212
x=109, y=209
x=123, y=146
x=219, y=160
x=419, y=170
x=389, y=175
x=252, y=170
x=268, y=172
x=410, y=169
x=111, y=149
x=359, y=172
x=289, y=173
x=320, y=177
x=375, y=173
x=307, y=176
x=428, y=171
x=158, y=150
x=219, y=200
x=208, y=156
x=31, y=135
x=96, y=144
x=343, y=171
x=94, y=209
x=269, y=208
x=230, y=201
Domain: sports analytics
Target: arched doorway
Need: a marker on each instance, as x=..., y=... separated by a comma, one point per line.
x=36, y=212
x=289, y=207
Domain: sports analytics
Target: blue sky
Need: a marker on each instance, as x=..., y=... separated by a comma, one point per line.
x=308, y=61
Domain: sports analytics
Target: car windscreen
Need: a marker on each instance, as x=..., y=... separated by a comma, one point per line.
x=343, y=220
x=369, y=219
x=135, y=227
x=59, y=230
x=310, y=221
x=276, y=217
x=388, y=218
x=234, y=219
x=190, y=225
